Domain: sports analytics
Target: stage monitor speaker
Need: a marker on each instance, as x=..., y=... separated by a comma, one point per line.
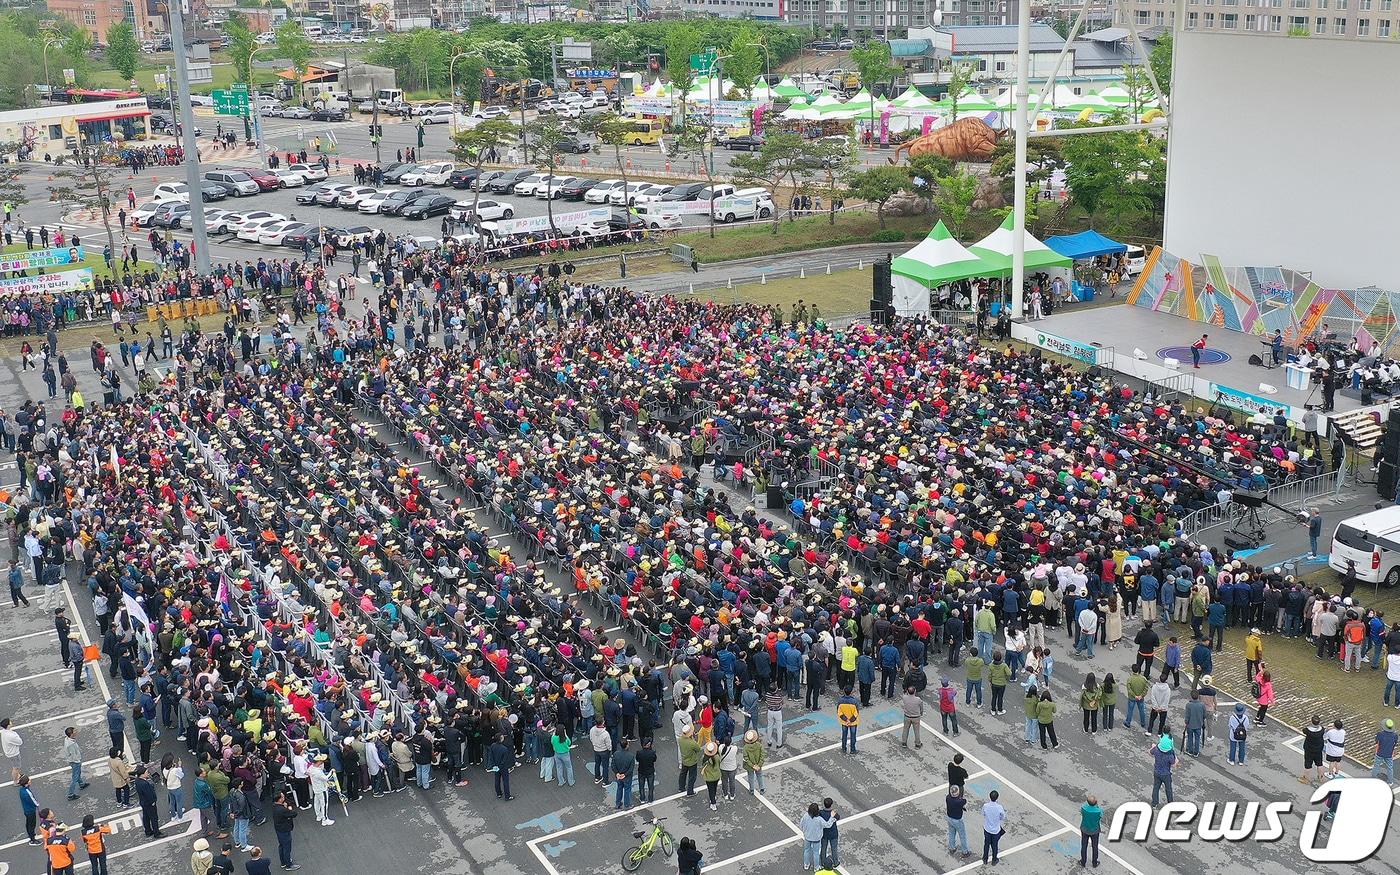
x=883, y=288
x=879, y=311
x=775, y=496
x=1237, y=542
x=1249, y=497
x=1386, y=471
x=1256, y=361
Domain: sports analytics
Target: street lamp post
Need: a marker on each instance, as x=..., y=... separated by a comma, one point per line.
x=50, y=40
x=257, y=107
x=452, y=85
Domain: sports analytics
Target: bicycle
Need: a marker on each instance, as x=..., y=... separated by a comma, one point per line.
x=637, y=854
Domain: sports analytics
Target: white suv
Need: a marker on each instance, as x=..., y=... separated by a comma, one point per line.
x=429, y=174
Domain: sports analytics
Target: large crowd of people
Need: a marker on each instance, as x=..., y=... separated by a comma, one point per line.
x=321, y=615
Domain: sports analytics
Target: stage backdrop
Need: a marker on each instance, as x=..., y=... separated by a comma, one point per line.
x=1271, y=161
x=1257, y=300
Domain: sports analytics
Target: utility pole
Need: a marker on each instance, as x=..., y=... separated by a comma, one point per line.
x=1018, y=224
x=177, y=41
x=374, y=121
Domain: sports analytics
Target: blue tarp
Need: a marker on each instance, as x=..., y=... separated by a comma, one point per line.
x=1085, y=244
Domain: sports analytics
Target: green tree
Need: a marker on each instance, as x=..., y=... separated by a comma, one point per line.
x=1161, y=61
x=953, y=195
x=617, y=48
x=241, y=41
x=878, y=184
x=959, y=83
x=473, y=145
x=835, y=158
x=12, y=190
x=745, y=61
x=694, y=141
x=1043, y=158
x=294, y=45
x=680, y=45
x=122, y=50
x=1114, y=174
x=611, y=130
x=423, y=47
x=549, y=136
x=924, y=172
x=873, y=62
x=1139, y=87
x=782, y=157
x=88, y=183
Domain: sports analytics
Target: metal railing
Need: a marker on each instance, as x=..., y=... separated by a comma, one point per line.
x=1292, y=494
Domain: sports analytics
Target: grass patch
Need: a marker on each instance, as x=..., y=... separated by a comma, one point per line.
x=809, y=232
x=837, y=294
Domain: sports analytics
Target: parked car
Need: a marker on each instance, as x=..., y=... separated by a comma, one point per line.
x=622, y=220
x=553, y=189
x=309, y=171
x=309, y=194
x=365, y=106
x=423, y=207
x=526, y=187
x=328, y=114
x=243, y=184
x=296, y=238
x=289, y=178
x=223, y=223
x=576, y=190
x=330, y=195
x=250, y=230
x=394, y=176
x=211, y=191
x=171, y=191
x=236, y=222
x=170, y=214
x=746, y=143
x=658, y=218
x=575, y=145
x=507, y=180
x=393, y=204
x=349, y=236
x=276, y=233
x=266, y=179
x=686, y=191
x=296, y=112
x=489, y=178
x=486, y=211
x=490, y=112
x=651, y=195
x=428, y=107
x=435, y=173
x=618, y=197
x=350, y=199
x=371, y=203
x=463, y=177
x=600, y=192
x=845, y=44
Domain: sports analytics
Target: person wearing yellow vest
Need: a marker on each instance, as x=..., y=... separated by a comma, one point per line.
x=849, y=656
x=254, y=725
x=848, y=713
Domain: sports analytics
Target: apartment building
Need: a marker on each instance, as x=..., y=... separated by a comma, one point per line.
x=883, y=17
x=1333, y=19
x=93, y=16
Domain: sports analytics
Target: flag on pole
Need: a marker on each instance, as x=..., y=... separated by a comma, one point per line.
x=116, y=464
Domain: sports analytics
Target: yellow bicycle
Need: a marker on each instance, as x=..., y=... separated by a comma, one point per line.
x=658, y=837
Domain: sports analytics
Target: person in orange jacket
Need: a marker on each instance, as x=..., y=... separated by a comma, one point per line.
x=61, y=849
x=95, y=838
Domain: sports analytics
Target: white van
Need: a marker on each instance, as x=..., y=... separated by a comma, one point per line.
x=1134, y=260
x=1371, y=543
x=747, y=203
x=658, y=217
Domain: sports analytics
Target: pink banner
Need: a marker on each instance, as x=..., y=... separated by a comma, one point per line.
x=928, y=125
x=758, y=119
x=885, y=128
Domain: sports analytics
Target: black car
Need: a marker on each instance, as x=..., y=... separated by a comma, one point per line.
x=621, y=220
x=746, y=143
x=158, y=101
x=507, y=180
x=822, y=45
x=212, y=191
x=308, y=194
x=575, y=145
x=397, y=172
x=423, y=207
x=685, y=192
x=396, y=203
x=328, y=115
x=463, y=177
x=575, y=190
x=488, y=178
x=298, y=234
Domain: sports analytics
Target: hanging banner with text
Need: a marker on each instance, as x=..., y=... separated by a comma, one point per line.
x=48, y=284
x=38, y=258
x=1237, y=399
x=564, y=221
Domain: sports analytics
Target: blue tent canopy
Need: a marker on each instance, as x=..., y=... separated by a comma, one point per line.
x=1085, y=244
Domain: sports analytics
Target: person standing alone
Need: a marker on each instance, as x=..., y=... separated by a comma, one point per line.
x=993, y=827
x=1196, y=349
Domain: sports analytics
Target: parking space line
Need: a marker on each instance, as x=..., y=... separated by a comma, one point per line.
x=1012, y=786
x=86, y=640
x=977, y=864
x=40, y=674
x=30, y=635
x=60, y=717
x=63, y=771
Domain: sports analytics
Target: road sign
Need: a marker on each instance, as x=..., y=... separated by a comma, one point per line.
x=231, y=102
x=704, y=63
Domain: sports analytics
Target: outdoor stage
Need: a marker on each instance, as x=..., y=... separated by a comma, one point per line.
x=1224, y=366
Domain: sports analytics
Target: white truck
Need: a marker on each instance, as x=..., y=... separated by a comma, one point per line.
x=745, y=204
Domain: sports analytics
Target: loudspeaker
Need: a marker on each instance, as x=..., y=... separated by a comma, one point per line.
x=775, y=496
x=1249, y=497
x=879, y=312
x=1256, y=361
x=882, y=285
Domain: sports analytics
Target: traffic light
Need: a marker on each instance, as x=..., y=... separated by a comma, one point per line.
x=376, y=130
